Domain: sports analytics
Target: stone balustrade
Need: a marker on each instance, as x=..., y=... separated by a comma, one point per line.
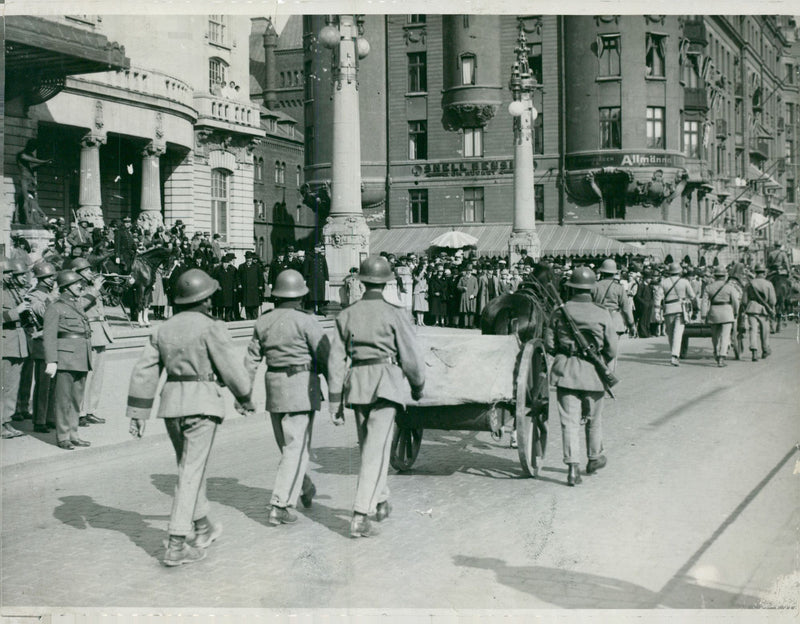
x=633, y=231
x=212, y=107
x=143, y=81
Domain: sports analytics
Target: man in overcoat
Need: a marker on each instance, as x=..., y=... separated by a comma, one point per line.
x=228, y=279
x=251, y=285
x=723, y=300
x=315, y=272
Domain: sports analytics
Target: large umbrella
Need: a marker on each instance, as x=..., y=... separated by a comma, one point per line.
x=455, y=240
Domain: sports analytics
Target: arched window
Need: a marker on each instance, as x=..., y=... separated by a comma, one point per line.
x=467, y=69
x=283, y=173
x=217, y=74
x=259, y=169
x=299, y=176
x=277, y=172
x=260, y=247
x=219, y=202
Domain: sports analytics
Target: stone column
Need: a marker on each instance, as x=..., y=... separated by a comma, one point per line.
x=150, y=208
x=90, y=204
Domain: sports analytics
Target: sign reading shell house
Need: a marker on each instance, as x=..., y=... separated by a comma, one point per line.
x=598, y=160
x=464, y=168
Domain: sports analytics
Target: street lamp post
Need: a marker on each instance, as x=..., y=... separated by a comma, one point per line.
x=346, y=234
x=523, y=232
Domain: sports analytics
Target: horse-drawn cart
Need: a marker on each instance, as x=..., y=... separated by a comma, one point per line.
x=479, y=383
x=701, y=329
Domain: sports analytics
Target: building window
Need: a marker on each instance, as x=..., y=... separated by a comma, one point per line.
x=417, y=72
x=280, y=172
x=789, y=73
x=473, y=205
x=467, y=69
x=259, y=169
x=260, y=247
x=538, y=134
x=418, y=206
x=219, y=202
x=299, y=176
x=722, y=158
x=739, y=116
x=535, y=61
x=310, y=146
x=416, y=19
x=217, y=69
x=608, y=51
x=473, y=142
x=217, y=31
x=610, y=127
x=656, y=53
x=691, y=71
x=538, y=199
x=789, y=151
x=790, y=191
x=655, y=127
x=309, y=82
x=417, y=140
x=691, y=137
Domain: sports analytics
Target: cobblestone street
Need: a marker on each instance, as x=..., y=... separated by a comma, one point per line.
x=697, y=508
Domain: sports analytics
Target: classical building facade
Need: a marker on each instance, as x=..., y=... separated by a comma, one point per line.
x=665, y=132
x=171, y=136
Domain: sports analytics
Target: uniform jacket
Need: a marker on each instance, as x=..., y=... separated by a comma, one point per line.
x=14, y=341
x=611, y=295
x=73, y=352
x=79, y=236
x=766, y=290
x=369, y=329
x=681, y=292
x=40, y=298
x=124, y=246
x=93, y=306
x=190, y=344
x=594, y=321
x=723, y=302
x=284, y=337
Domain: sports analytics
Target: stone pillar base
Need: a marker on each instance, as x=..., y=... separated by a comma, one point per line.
x=529, y=241
x=92, y=214
x=150, y=220
x=346, y=239
x=37, y=237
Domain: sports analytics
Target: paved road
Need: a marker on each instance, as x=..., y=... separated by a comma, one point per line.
x=698, y=507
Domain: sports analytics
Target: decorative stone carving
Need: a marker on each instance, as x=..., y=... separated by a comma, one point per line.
x=415, y=35
x=159, y=126
x=458, y=116
x=27, y=210
x=531, y=24
x=150, y=220
x=606, y=19
x=654, y=19
x=98, y=115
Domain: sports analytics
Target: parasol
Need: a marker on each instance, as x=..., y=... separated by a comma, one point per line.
x=455, y=240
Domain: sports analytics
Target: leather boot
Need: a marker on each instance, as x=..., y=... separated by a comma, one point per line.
x=281, y=515
x=721, y=362
x=574, y=475
x=308, y=495
x=755, y=355
x=180, y=552
x=383, y=511
x=360, y=526
x=596, y=464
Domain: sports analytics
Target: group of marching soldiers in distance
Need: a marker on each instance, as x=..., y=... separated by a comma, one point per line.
x=372, y=364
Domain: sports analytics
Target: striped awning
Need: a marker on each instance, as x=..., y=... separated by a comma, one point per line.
x=556, y=240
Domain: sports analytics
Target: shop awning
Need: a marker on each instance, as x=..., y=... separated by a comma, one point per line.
x=556, y=240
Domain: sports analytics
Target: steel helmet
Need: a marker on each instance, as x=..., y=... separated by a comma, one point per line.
x=43, y=269
x=582, y=279
x=375, y=270
x=608, y=266
x=759, y=268
x=289, y=285
x=79, y=264
x=193, y=286
x=14, y=266
x=674, y=269
x=720, y=271
x=67, y=277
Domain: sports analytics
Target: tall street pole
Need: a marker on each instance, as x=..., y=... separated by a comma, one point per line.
x=523, y=233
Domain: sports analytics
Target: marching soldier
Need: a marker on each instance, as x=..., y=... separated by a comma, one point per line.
x=723, y=300
x=759, y=301
x=101, y=338
x=611, y=295
x=198, y=355
x=676, y=291
x=40, y=298
x=67, y=353
x=14, y=341
x=295, y=349
x=579, y=388
x=378, y=340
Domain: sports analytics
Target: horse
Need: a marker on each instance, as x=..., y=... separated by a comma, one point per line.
x=142, y=279
x=785, y=293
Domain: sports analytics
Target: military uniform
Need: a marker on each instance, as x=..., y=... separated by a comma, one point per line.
x=67, y=342
x=40, y=298
x=723, y=300
x=757, y=314
x=372, y=350
x=676, y=290
x=199, y=358
x=15, y=351
x=101, y=338
x=295, y=349
x=611, y=295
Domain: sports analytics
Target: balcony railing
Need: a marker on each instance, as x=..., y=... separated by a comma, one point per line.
x=695, y=98
x=695, y=32
x=144, y=82
x=218, y=109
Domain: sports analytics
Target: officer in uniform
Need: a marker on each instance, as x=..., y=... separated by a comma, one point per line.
x=611, y=295
x=199, y=357
x=579, y=389
x=14, y=341
x=759, y=304
x=676, y=290
x=125, y=245
x=101, y=338
x=778, y=260
x=723, y=301
x=378, y=341
x=40, y=298
x=296, y=350
x=67, y=353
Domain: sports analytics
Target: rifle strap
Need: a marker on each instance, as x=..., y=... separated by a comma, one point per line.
x=719, y=290
x=669, y=290
x=759, y=298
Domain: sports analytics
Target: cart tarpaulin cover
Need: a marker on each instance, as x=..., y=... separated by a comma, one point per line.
x=460, y=370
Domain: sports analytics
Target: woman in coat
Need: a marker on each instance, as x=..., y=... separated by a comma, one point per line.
x=420, y=297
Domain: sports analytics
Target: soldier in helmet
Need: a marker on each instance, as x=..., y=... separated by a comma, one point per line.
x=40, y=298
x=579, y=388
x=67, y=353
x=295, y=348
x=759, y=304
x=14, y=341
x=198, y=355
x=677, y=290
x=723, y=301
x=609, y=293
x=373, y=349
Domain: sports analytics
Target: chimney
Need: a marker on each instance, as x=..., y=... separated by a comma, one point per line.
x=270, y=79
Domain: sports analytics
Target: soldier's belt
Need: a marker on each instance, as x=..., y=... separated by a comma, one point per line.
x=380, y=360
x=209, y=377
x=719, y=303
x=289, y=370
x=72, y=335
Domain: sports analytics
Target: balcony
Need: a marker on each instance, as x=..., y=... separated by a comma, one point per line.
x=721, y=126
x=695, y=32
x=760, y=150
x=226, y=114
x=643, y=231
x=695, y=98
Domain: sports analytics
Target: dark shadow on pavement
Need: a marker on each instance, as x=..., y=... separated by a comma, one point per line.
x=81, y=512
x=336, y=519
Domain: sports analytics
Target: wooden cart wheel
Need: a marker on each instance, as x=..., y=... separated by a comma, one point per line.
x=405, y=448
x=532, y=406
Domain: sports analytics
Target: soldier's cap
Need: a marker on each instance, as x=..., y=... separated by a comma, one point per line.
x=759, y=268
x=178, y=222
x=720, y=272
x=126, y=219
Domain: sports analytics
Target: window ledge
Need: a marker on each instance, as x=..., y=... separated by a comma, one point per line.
x=221, y=46
x=656, y=78
x=416, y=93
x=608, y=78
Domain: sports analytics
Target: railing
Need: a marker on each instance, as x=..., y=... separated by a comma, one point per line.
x=145, y=82
x=227, y=110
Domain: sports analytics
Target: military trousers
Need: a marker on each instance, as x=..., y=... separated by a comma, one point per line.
x=67, y=397
x=375, y=425
x=293, y=435
x=94, y=382
x=758, y=326
x=42, y=394
x=25, y=386
x=674, y=326
x=573, y=407
x=192, y=438
x=11, y=373
x=721, y=338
